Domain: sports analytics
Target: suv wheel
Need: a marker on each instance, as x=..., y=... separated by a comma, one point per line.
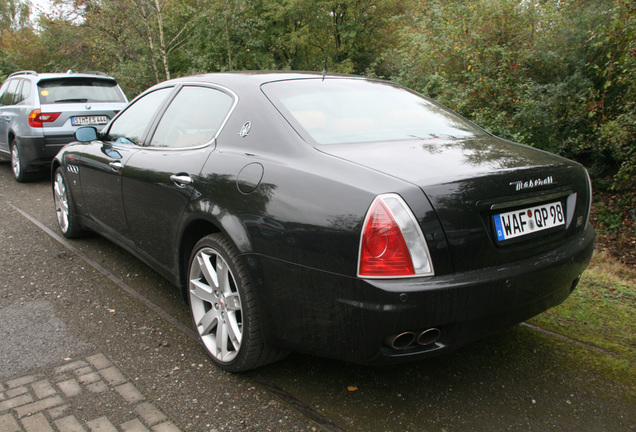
x=17, y=163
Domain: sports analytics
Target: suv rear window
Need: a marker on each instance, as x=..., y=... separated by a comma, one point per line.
x=69, y=90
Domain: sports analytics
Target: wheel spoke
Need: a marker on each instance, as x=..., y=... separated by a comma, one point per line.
x=234, y=331
x=221, y=340
x=63, y=220
x=209, y=322
x=223, y=275
x=202, y=291
x=208, y=269
x=60, y=195
x=233, y=302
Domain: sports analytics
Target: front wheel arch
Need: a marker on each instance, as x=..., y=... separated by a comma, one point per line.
x=54, y=166
x=68, y=220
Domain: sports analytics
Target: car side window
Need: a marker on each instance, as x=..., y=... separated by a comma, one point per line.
x=130, y=126
x=25, y=92
x=10, y=91
x=193, y=118
x=19, y=94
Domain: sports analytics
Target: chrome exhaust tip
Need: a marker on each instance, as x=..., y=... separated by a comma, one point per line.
x=402, y=341
x=428, y=337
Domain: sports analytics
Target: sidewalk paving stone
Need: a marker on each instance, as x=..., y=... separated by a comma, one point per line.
x=83, y=395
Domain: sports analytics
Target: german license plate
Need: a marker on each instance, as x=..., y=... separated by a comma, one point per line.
x=527, y=221
x=89, y=120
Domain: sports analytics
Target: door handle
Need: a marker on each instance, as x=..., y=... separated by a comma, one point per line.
x=116, y=166
x=181, y=180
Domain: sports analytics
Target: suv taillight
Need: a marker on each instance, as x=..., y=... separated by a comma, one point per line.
x=392, y=243
x=37, y=118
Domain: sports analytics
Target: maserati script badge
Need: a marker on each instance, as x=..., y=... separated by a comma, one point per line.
x=521, y=185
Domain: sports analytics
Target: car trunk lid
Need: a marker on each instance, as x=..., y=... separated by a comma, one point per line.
x=476, y=184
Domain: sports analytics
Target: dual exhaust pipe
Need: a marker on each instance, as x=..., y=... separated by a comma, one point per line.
x=407, y=339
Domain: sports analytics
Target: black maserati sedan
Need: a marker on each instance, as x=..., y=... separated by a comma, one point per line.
x=339, y=216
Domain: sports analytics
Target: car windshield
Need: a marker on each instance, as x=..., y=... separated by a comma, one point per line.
x=340, y=111
x=69, y=90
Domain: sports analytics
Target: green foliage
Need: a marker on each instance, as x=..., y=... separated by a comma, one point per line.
x=295, y=34
x=14, y=15
x=609, y=219
x=557, y=75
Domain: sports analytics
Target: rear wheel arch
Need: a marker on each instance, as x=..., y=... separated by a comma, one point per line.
x=231, y=228
x=224, y=306
x=194, y=232
x=10, y=138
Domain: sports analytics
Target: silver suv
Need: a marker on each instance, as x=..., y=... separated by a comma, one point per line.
x=40, y=112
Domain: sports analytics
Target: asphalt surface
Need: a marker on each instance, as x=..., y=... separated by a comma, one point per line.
x=92, y=339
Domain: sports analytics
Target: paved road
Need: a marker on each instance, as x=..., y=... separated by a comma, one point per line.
x=91, y=339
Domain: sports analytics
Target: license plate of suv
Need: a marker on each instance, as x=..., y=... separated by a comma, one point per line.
x=88, y=120
x=529, y=220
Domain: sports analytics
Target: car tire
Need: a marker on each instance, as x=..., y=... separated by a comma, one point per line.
x=224, y=307
x=18, y=166
x=67, y=219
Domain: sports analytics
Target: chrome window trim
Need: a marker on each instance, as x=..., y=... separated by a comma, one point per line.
x=178, y=89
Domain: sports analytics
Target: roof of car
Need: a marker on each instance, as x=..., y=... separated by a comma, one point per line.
x=252, y=78
x=70, y=73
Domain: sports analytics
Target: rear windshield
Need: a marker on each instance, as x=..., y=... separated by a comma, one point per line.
x=341, y=111
x=69, y=90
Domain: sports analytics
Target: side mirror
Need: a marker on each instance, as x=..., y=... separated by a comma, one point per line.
x=86, y=134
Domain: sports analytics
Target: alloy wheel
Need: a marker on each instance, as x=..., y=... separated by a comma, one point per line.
x=15, y=161
x=61, y=202
x=216, y=305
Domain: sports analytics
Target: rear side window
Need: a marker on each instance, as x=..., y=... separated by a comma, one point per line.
x=193, y=118
x=25, y=91
x=69, y=90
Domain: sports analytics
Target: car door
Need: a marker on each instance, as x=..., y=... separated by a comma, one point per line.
x=7, y=94
x=104, y=163
x=161, y=178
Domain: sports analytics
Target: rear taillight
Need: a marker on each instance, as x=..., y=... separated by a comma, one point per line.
x=392, y=244
x=38, y=118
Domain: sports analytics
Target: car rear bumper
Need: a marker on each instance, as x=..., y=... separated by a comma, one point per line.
x=39, y=150
x=358, y=320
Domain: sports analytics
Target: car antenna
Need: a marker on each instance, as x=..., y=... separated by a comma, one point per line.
x=324, y=69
